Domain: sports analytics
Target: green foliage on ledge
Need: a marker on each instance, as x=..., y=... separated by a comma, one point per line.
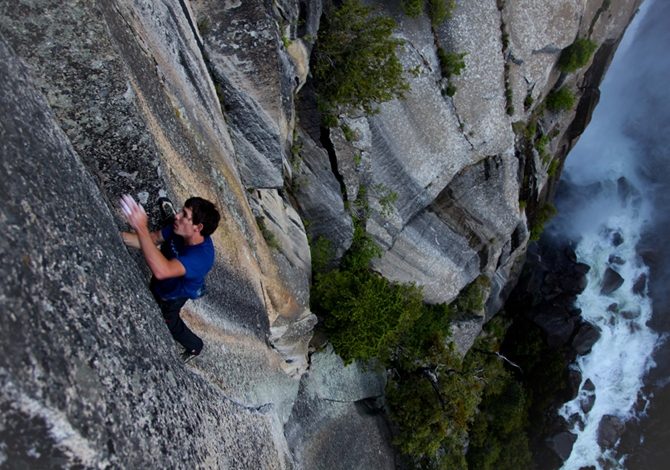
x=432, y=393
x=322, y=253
x=498, y=439
x=431, y=407
x=560, y=100
x=356, y=64
x=365, y=314
x=555, y=164
x=438, y=10
x=543, y=215
x=576, y=55
x=440, y=402
x=451, y=63
x=541, y=145
x=412, y=8
x=270, y=237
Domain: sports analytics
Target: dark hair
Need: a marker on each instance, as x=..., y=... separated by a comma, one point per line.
x=205, y=213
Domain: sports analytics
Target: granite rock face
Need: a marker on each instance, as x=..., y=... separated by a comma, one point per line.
x=335, y=399
x=330, y=379
x=331, y=443
x=467, y=230
x=93, y=379
x=141, y=109
x=255, y=80
x=438, y=153
x=428, y=143
x=319, y=197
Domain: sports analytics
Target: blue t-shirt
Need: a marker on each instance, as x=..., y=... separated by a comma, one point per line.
x=197, y=259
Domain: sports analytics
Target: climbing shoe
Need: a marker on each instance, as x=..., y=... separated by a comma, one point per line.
x=167, y=209
x=187, y=356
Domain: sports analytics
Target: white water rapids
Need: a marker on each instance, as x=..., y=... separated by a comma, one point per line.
x=608, y=222
x=621, y=357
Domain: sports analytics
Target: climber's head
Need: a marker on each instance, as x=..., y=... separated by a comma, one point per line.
x=201, y=212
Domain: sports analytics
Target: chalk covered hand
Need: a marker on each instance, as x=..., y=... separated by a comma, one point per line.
x=134, y=212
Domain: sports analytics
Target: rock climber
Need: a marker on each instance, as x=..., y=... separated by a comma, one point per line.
x=179, y=268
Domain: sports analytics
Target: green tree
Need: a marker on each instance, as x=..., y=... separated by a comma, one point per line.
x=542, y=216
x=431, y=405
x=576, y=55
x=451, y=63
x=560, y=100
x=356, y=63
x=440, y=10
x=322, y=254
x=498, y=439
x=365, y=314
x=432, y=394
x=412, y=8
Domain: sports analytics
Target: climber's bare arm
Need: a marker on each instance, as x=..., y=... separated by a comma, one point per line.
x=132, y=240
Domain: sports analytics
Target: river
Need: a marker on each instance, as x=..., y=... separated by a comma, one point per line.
x=614, y=205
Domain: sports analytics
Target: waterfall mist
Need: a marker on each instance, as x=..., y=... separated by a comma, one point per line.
x=613, y=203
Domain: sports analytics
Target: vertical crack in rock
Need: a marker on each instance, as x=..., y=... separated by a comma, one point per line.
x=424, y=60
x=507, y=56
x=461, y=125
x=332, y=157
x=194, y=29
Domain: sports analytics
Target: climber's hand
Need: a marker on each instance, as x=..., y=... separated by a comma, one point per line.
x=130, y=239
x=134, y=213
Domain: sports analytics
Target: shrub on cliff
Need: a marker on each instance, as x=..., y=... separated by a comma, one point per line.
x=440, y=10
x=498, y=435
x=451, y=63
x=541, y=217
x=433, y=399
x=431, y=406
x=432, y=393
x=560, y=100
x=356, y=63
x=365, y=314
x=545, y=372
x=412, y=8
x=498, y=439
x=576, y=55
x=369, y=317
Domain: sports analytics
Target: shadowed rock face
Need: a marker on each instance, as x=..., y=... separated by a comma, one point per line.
x=319, y=198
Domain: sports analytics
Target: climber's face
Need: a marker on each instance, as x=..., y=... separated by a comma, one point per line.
x=183, y=224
